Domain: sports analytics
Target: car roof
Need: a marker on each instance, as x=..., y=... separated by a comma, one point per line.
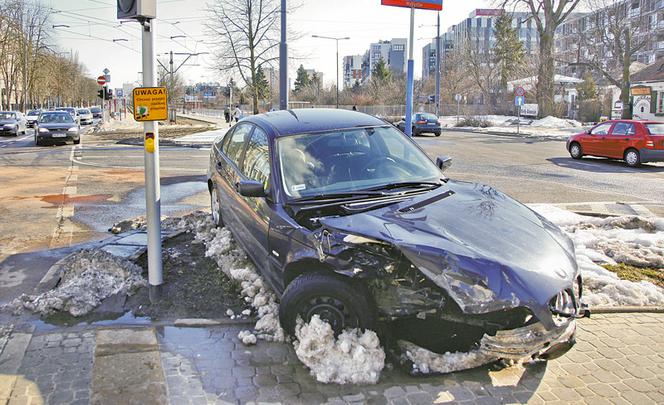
x=308, y=120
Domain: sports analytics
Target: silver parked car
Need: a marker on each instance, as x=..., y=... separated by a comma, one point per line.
x=12, y=123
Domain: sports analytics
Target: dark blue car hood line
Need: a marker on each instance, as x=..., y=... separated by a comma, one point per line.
x=488, y=251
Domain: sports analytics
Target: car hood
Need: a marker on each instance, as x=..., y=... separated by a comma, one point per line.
x=3, y=122
x=486, y=250
x=57, y=125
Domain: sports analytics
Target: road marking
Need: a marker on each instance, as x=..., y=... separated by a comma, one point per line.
x=64, y=229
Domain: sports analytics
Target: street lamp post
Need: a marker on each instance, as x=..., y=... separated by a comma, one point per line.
x=337, y=39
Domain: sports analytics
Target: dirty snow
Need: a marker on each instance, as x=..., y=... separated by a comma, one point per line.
x=631, y=240
x=88, y=277
x=425, y=361
x=549, y=127
x=247, y=338
x=553, y=122
x=354, y=357
x=221, y=247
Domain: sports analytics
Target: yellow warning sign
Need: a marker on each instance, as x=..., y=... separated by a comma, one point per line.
x=150, y=104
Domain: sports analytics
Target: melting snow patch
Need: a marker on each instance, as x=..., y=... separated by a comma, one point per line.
x=351, y=358
x=221, y=247
x=630, y=240
x=247, y=338
x=426, y=362
x=88, y=277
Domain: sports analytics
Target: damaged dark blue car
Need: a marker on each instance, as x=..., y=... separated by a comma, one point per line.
x=347, y=218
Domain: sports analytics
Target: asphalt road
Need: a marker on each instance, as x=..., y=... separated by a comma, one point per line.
x=55, y=196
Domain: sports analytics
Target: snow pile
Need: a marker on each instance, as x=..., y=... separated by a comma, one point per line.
x=88, y=277
x=221, y=247
x=634, y=241
x=425, y=361
x=247, y=338
x=352, y=358
x=553, y=122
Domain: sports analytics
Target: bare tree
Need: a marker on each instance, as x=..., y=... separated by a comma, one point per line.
x=246, y=33
x=613, y=37
x=548, y=15
x=483, y=70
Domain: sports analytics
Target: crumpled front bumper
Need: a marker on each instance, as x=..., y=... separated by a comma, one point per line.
x=532, y=341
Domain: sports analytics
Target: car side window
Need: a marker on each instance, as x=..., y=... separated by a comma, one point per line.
x=602, y=129
x=623, y=128
x=256, y=165
x=233, y=148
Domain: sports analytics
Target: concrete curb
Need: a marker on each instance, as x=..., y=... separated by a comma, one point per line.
x=510, y=135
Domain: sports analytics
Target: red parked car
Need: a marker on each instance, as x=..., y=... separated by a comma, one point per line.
x=635, y=142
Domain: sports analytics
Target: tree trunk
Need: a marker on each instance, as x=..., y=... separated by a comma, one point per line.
x=545, y=74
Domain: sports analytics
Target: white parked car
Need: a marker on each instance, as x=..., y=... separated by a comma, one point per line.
x=31, y=117
x=85, y=116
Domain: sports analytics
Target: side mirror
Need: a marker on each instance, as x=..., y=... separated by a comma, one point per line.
x=443, y=162
x=250, y=188
x=588, y=131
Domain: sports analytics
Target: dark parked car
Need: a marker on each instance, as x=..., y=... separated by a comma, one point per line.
x=57, y=126
x=347, y=218
x=96, y=112
x=12, y=123
x=422, y=123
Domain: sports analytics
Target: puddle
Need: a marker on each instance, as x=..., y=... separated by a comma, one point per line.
x=101, y=215
x=59, y=199
x=93, y=319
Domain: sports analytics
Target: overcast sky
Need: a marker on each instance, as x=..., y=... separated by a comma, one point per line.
x=93, y=26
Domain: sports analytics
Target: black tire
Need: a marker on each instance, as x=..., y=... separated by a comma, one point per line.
x=214, y=195
x=632, y=157
x=38, y=142
x=414, y=132
x=77, y=141
x=340, y=302
x=575, y=150
x=437, y=133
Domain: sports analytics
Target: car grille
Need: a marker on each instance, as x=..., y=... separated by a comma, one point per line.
x=567, y=302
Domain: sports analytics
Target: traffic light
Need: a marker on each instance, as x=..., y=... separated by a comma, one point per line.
x=100, y=93
x=109, y=94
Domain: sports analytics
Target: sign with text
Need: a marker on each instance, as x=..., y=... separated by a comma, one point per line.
x=640, y=91
x=424, y=4
x=150, y=104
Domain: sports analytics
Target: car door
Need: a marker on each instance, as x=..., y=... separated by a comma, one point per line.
x=255, y=212
x=227, y=171
x=615, y=144
x=592, y=143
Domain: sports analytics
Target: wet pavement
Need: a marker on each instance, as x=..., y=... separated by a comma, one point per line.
x=619, y=358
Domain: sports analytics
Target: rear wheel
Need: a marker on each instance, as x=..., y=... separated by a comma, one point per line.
x=632, y=157
x=335, y=300
x=575, y=151
x=215, y=206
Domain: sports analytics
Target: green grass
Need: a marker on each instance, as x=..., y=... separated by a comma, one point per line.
x=631, y=273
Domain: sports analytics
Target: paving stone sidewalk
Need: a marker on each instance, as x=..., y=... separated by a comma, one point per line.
x=619, y=359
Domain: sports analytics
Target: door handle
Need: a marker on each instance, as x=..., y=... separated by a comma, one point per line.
x=625, y=139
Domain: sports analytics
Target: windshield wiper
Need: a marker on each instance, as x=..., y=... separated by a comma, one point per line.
x=407, y=184
x=346, y=195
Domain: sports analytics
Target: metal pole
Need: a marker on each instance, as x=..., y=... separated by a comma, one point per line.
x=438, y=65
x=337, y=41
x=518, y=120
x=409, y=77
x=283, y=61
x=152, y=186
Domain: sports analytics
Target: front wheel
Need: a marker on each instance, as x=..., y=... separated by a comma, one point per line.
x=575, y=151
x=215, y=206
x=632, y=158
x=335, y=300
x=77, y=141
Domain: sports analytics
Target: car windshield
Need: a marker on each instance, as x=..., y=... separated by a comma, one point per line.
x=59, y=118
x=7, y=116
x=655, y=129
x=351, y=160
x=95, y=109
x=33, y=112
x=83, y=111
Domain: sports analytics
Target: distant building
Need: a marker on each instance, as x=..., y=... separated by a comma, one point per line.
x=429, y=59
x=360, y=67
x=312, y=72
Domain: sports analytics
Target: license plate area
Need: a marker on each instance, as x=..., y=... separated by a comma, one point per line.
x=59, y=135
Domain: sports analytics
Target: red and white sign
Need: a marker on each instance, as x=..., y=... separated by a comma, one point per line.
x=101, y=80
x=519, y=91
x=488, y=12
x=423, y=4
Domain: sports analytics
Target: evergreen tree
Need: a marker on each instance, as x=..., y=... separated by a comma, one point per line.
x=381, y=72
x=508, y=52
x=588, y=89
x=302, y=80
x=261, y=86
